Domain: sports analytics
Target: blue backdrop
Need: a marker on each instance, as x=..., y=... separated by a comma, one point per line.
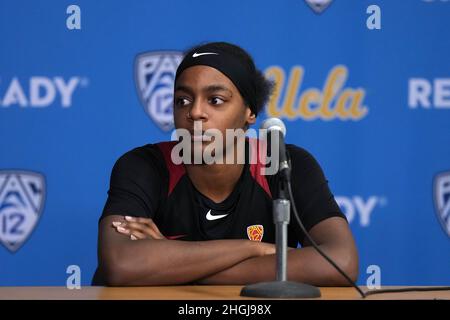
x=366, y=89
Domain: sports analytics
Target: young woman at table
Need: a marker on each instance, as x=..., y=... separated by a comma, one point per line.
x=166, y=223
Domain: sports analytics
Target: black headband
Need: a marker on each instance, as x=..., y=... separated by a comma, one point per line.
x=229, y=65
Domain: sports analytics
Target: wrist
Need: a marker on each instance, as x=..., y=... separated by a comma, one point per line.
x=255, y=248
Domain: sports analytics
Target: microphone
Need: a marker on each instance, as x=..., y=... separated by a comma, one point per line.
x=281, y=209
x=277, y=133
x=282, y=288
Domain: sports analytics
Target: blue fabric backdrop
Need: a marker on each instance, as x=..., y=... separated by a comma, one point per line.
x=372, y=105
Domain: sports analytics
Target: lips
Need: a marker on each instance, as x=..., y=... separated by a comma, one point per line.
x=202, y=137
x=198, y=138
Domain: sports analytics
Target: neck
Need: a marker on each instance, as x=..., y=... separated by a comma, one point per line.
x=216, y=181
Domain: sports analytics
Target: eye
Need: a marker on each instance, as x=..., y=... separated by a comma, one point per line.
x=216, y=101
x=181, y=101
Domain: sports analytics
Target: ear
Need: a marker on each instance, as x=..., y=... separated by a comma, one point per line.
x=250, y=116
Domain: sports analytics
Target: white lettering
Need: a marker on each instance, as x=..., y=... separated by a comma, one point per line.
x=419, y=93
x=66, y=90
x=74, y=20
x=74, y=280
x=42, y=85
x=442, y=93
x=42, y=92
x=374, y=280
x=14, y=95
x=358, y=206
x=429, y=94
x=374, y=20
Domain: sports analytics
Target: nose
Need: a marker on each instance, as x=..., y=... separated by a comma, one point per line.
x=198, y=111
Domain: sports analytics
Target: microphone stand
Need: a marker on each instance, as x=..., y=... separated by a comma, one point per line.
x=281, y=288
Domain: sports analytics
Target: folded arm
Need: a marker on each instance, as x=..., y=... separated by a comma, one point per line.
x=155, y=260
x=304, y=264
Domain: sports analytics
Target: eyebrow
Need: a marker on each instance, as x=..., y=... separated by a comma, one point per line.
x=208, y=89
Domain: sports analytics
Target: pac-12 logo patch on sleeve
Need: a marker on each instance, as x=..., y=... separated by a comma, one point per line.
x=255, y=232
x=22, y=195
x=154, y=74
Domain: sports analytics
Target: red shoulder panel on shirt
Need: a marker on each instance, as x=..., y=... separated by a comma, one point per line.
x=176, y=171
x=256, y=165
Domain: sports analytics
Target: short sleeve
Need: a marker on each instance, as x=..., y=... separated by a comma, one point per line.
x=313, y=197
x=135, y=186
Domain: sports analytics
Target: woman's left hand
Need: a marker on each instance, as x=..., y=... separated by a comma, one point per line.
x=138, y=228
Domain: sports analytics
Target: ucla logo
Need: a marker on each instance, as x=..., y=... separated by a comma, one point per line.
x=154, y=77
x=318, y=6
x=334, y=101
x=441, y=193
x=22, y=197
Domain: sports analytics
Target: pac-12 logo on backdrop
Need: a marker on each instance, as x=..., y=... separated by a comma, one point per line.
x=441, y=194
x=154, y=74
x=318, y=5
x=22, y=195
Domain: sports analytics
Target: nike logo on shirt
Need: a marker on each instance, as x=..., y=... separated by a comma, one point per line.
x=210, y=217
x=195, y=55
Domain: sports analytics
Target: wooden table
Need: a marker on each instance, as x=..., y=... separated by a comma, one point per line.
x=188, y=293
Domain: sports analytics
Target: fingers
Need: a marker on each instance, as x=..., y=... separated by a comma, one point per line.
x=138, y=228
x=146, y=221
x=136, y=235
x=143, y=228
x=271, y=250
x=119, y=227
x=135, y=232
x=268, y=248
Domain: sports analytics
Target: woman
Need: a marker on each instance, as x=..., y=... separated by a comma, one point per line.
x=167, y=223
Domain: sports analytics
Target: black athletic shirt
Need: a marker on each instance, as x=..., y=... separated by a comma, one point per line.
x=146, y=183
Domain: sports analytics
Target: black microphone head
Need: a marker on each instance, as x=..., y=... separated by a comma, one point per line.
x=274, y=124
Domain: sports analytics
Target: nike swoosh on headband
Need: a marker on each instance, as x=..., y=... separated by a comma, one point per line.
x=195, y=55
x=210, y=217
